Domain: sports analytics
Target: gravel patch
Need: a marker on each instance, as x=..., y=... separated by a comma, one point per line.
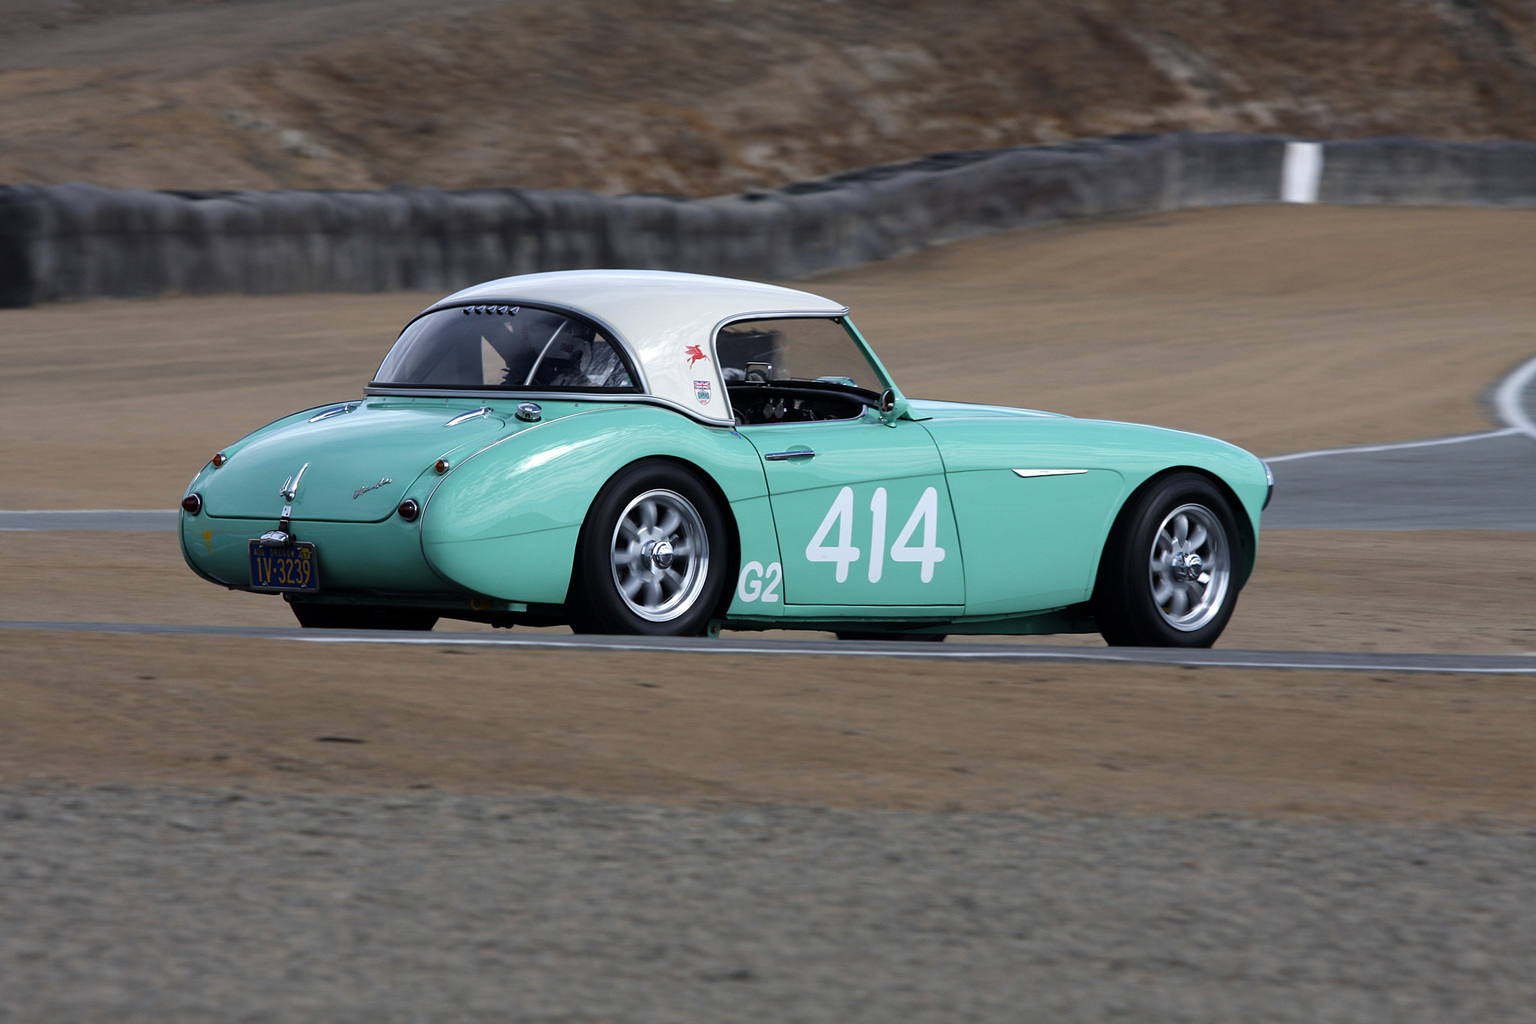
x=168, y=905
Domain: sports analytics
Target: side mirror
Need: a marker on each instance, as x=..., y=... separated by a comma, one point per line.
x=891, y=407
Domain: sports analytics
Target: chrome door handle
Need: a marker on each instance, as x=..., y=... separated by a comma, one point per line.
x=798, y=453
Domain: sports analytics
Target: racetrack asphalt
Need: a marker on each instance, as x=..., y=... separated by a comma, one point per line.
x=1372, y=661
x=1477, y=482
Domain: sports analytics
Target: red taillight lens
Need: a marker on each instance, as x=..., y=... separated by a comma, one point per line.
x=192, y=504
x=409, y=510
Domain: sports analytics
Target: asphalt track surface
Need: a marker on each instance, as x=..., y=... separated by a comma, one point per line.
x=951, y=651
x=1474, y=482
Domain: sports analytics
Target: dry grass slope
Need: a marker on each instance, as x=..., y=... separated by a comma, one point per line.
x=711, y=96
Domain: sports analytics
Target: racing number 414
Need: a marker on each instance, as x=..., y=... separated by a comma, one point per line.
x=844, y=554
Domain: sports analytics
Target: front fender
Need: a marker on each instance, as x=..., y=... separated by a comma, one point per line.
x=504, y=522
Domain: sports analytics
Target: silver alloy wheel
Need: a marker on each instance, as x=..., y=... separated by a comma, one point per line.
x=1191, y=567
x=660, y=555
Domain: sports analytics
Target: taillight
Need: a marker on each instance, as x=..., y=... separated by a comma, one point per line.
x=192, y=504
x=409, y=510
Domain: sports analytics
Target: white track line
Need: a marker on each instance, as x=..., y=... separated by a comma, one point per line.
x=1507, y=399
x=1398, y=446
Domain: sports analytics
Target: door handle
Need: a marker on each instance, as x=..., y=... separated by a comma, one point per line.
x=797, y=453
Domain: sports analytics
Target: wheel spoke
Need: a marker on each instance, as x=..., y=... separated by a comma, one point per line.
x=1162, y=590
x=1180, y=603
x=647, y=513
x=669, y=523
x=652, y=593
x=631, y=586
x=1197, y=538
x=1180, y=526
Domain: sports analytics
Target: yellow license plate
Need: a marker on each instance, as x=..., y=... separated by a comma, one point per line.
x=288, y=568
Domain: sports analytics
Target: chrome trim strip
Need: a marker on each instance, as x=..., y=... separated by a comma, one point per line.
x=803, y=453
x=1031, y=473
x=629, y=397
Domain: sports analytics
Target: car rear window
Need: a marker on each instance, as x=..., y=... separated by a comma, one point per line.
x=520, y=348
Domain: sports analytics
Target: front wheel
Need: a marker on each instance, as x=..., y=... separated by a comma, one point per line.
x=1168, y=577
x=652, y=555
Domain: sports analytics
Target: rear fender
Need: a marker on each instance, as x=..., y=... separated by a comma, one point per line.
x=505, y=521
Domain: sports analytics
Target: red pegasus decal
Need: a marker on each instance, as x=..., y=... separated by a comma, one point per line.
x=694, y=354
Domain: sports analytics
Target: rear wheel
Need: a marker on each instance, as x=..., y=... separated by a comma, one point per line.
x=1168, y=575
x=344, y=616
x=652, y=554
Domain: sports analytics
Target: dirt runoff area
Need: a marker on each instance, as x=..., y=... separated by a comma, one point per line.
x=1280, y=329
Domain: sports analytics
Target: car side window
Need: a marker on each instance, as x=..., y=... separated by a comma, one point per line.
x=512, y=347
x=794, y=370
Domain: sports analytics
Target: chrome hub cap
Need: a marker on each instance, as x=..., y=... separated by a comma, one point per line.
x=660, y=555
x=1191, y=567
x=1187, y=567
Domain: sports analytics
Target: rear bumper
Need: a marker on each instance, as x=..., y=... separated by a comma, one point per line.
x=383, y=557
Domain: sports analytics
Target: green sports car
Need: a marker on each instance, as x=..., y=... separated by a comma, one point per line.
x=659, y=453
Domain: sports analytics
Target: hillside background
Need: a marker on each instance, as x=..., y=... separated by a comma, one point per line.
x=704, y=97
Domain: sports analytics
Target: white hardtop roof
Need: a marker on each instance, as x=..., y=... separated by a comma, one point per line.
x=658, y=316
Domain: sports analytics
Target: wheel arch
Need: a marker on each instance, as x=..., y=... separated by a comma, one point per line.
x=1247, y=535
x=732, y=528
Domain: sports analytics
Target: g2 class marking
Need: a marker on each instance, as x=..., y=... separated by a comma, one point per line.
x=759, y=584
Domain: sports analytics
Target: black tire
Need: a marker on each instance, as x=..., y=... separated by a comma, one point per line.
x=342, y=616
x=661, y=579
x=1158, y=589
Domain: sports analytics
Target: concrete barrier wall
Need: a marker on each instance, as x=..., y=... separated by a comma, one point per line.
x=80, y=241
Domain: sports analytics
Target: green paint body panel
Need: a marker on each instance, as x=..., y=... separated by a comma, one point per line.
x=894, y=465
x=505, y=521
x=1034, y=543
x=381, y=439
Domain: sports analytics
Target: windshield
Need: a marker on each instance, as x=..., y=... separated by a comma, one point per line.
x=511, y=347
x=796, y=348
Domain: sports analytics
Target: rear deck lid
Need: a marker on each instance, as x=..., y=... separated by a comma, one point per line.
x=360, y=463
